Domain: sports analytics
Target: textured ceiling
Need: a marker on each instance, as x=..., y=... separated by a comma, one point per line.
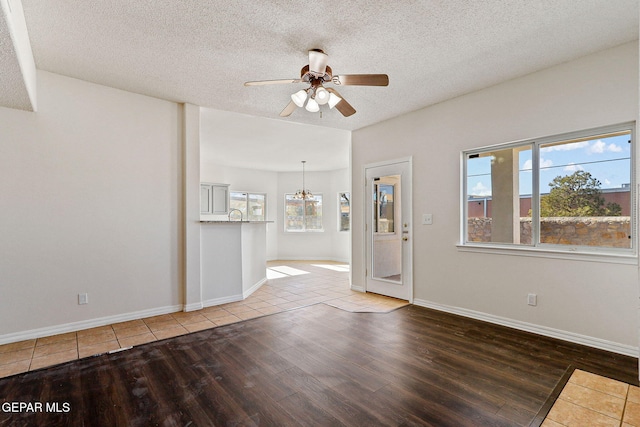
x=14, y=55
x=201, y=51
x=13, y=93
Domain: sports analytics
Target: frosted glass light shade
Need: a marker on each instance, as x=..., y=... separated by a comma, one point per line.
x=322, y=95
x=333, y=100
x=312, y=106
x=299, y=97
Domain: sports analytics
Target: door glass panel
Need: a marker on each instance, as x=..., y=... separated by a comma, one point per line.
x=383, y=214
x=386, y=237
x=344, y=222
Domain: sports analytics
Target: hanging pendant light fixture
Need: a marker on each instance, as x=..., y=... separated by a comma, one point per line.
x=303, y=194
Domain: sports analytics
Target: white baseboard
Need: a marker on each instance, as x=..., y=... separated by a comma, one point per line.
x=536, y=329
x=357, y=288
x=193, y=307
x=86, y=324
x=223, y=300
x=254, y=288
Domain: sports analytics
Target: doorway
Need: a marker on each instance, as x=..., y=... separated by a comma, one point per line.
x=388, y=225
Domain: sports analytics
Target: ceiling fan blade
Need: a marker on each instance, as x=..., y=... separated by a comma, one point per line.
x=318, y=61
x=343, y=106
x=361, y=80
x=290, y=108
x=272, y=82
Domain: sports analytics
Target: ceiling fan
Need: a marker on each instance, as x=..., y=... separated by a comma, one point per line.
x=316, y=74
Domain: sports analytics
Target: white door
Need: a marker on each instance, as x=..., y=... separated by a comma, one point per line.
x=388, y=227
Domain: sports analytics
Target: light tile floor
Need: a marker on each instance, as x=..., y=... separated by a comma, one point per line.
x=290, y=285
x=592, y=400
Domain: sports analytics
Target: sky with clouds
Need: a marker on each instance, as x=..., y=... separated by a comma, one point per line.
x=607, y=159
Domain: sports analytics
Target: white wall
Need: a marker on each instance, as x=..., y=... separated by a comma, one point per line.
x=90, y=203
x=327, y=245
x=592, y=299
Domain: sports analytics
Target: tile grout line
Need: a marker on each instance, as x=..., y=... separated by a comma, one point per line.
x=593, y=410
x=624, y=407
x=33, y=350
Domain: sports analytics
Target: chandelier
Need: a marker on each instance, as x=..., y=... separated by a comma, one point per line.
x=303, y=194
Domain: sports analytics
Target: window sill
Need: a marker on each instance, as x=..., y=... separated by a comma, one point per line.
x=577, y=255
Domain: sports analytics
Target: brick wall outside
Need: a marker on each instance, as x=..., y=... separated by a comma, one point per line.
x=606, y=231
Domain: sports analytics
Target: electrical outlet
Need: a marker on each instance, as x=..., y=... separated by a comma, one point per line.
x=427, y=219
x=83, y=298
x=532, y=299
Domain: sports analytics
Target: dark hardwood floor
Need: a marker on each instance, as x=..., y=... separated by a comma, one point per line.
x=316, y=365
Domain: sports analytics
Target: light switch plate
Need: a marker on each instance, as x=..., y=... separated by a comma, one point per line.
x=427, y=219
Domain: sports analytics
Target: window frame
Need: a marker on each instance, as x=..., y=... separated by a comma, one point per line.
x=248, y=195
x=536, y=248
x=304, y=222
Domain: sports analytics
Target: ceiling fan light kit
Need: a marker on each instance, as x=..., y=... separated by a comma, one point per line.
x=321, y=95
x=312, y=106
x=333, y=100
x=299, y=97
x=317, y=73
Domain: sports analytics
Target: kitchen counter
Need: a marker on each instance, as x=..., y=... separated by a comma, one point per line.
x=233, y=259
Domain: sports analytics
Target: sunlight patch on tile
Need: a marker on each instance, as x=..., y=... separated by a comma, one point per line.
x=272, y=274
x=334, y=267
x=289, y=271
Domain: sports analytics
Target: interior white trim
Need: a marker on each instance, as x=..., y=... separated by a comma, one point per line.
x=536, y=329
x=223, y=300
x=193, y=306
x=254, y=288
x=611, y=257
x=357, y=288
x=86, y=324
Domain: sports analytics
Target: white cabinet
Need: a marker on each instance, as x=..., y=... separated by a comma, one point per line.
x=205, y=199
x=214, y=198
x=220, y=199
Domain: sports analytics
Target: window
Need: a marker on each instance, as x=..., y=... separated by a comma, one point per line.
x=344, y=211
x=252, y=205
x=568, y=192
x=302, y=215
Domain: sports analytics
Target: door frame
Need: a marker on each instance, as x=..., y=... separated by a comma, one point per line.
x=406, y=217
